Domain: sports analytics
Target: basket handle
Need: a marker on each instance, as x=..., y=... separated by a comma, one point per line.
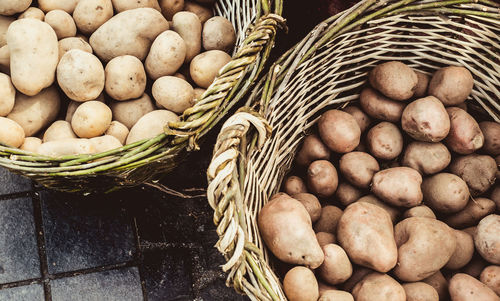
x=225, y=195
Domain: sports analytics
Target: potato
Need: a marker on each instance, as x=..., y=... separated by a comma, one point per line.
x=123, y=5
x=31, y=144
x=495, y=196
x=452, y=85
x=475, y=210
x=497, y=160
x=358, y=274
x=5, y=59
x=439, y=283
x=336, y=267
x=9, y=8
x=300, y=284
x=380, y=107
x=170, y=7
x=339, y=131
x=205, y=66
x=62, y=23
x=91, y=119
x=325, y=238
x=311, y=203
x=33, y=55
x=420, y=211
x=322, y=178
x=491, y=132
x=130, y=111
x=490, y=276
x=173, y=93
x=218, y=34
x=478, y=171
x=67, y=44
x=65, y=5
x=328, y=219
x=463, y=251
x=105, y=143
x=66, y=147
x=8, y=95
x=426, y=157
x=312, y=149
x=4, y=25
x=392, y=211
x=203, y=13
x=33, y=113
x=347, y=194
x=324, y=287
x=424, y=246
x=466, y=288
x=366, y=234
x=89, y=15
x=166, y=55
x=58, y=130
x=118, y=130
x=422, y=84
x=73, y=105
x=11, y=133
x=426, y=120
x=465, y=136
x=420, y=291
x=445, y=192
x=394, y=79
x=130, y=32
x=475, y=266
x=80, y=75
x=294, y=185
x=361, y=117
x=286, y=229
x=385, y=141
x=335, y=295
x=151, y=125
x=188, y=26
x=487, y=240
x=358, y=168
x=32, y=12
x=398, y=186
x=378, y=287
x=125, y=78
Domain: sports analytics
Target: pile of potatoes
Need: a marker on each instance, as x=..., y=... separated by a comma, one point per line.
x=88, y=76
x=394, y=199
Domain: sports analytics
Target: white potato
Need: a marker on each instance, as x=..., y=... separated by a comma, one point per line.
x=125, y=77
x=62, y=23
x=11, y=133
x=173, y=93
x=166, y=55
x=7, y=95
x=151, y=125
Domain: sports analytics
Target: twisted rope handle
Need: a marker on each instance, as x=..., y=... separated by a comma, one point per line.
x=225, y=196
x=220, y=95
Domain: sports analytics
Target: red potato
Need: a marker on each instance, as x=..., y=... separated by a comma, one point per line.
x=465, y=136
x=439, y=283
x=463, y=252
x=300, y=285
x=452, y=85
x=335, y=295
x=422, y=84
x=378, y=287
x=394, y=79
x=491, y=277
x=495, y=196
x=336, y=267
x=358, y=168
x=475, y=210
x=487, y=238
x=385, y=141
x=380, y=107
x=420, y=291
x=312, y=149
x=426, y=157
x=328, y=220
x=294, y=185
x=322, y=178
x=419, y=211
x=311, y=203
x=325, y=287
x=466, y=288
x=491, y=132
x=359, y=272
x=426, y=120
x=445, y=192
x=478, y=171
x=392, y=211
x=398, y=186
x=339, y=131
x=325, y=238
x=347, y=194
x=475, y=266
x=361, y=117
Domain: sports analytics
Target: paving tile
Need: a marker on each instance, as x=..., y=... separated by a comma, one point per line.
x=33, y=292
x=19, y=258
x=12, y=183
x=217, y=290
x=85, y=232
x=166, y=276
x=119, y=285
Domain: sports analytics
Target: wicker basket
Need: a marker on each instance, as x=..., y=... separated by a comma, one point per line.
x=256, y=23
x=326, y=70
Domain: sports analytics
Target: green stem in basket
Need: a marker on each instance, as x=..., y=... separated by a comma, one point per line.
x=428, y=5
x=256, y=270
x=265, y=6
x=465, y=12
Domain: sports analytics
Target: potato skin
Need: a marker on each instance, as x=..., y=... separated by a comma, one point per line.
x=452, y=85
x=130, y=111
x=392, y=211
x=66, y=147
x=170, y=7
x=472, y=213
x=361, y=117
x=398, y=186
x=62, y=23
x=466, y=288
x=322, y=178
x=420, y=291
x=382, y=78
x=335, y=295
x=201, y=11
x=91, y=119
x=385, y=141
x=378, y=287
x=478, y=171
x=347, y=194
x=422, y=84
x=490, y=276
x=425, y=157
x=118, y=130
x=445, y=192
x=380, y=107
x=125, y=78
x=426, y=120
x=166, y=55
x=328, y=220
x=339, y=131
x=419, y=211
x=4, y=25
x=32, y=12
x=65, y=5
x=31, y=144
x=205, y=66
x=463, y=251
x=294, y=185
x=8, y=8
x=67, y=44
x=312, y=149
x=358, y=168
x=311, y=203
x=424, y=246
x=336, y=267
x=173, y=93
x=491, y=132
x=487, y=240
x=11, y=133
x=188, y=26
x=218, y=34
x=8, y=93
x=33, y=55
x=86, y=18
x=365, y=232
x=58, y=130
x=325, y=238
x=465, y=136
x=286, y=229
x=123, y=5
x=300, y=284
x=151, y=125
x=439, y=283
